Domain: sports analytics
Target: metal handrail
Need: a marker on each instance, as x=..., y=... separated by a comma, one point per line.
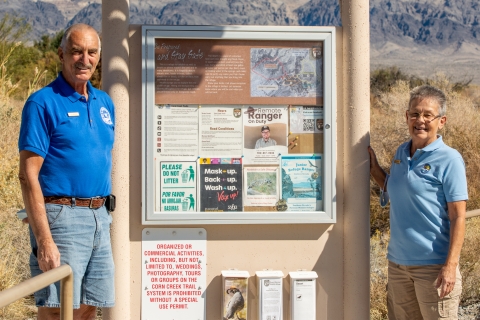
x=63, y=273
x=473, y=213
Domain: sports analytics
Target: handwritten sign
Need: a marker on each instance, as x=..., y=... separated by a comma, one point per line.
x=174, y=273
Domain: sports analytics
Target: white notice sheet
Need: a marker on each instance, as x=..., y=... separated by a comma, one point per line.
x=221, y=131
x=271, y=299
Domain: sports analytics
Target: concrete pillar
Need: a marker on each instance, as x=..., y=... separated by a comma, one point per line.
x=356, y=94
x=115, y=81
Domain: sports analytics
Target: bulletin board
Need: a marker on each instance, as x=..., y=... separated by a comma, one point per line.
x=239, y=125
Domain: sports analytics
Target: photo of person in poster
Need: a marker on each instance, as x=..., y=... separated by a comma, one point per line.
x=265, y=140
x=220, y=186
x=264, y=133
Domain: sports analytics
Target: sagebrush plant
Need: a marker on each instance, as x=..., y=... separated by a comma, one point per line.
x=462, y=132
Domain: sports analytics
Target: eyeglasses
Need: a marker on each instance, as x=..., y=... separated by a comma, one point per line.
x=265, y=131
x=427, y=117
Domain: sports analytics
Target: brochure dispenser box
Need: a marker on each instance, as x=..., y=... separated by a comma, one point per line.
x=234, y=296
x=303, y=286
x=270, y=294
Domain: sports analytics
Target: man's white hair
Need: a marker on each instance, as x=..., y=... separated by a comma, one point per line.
x=78, y=26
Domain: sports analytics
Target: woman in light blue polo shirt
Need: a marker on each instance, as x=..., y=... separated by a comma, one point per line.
x=427, y=189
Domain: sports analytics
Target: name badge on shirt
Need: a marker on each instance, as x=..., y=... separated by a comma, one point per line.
x=397, y=161
x=73, y=114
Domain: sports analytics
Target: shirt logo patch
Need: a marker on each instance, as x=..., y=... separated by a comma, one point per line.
x=105, y=116
x=397, y=161
x=425, y=168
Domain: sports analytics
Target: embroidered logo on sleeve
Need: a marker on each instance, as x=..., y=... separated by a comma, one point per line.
x=425, y=168
x=105, y=116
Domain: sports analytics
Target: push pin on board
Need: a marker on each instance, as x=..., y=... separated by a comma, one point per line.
x=294, y=145
x=279, y=155
x=296, y=138
x=289, y=133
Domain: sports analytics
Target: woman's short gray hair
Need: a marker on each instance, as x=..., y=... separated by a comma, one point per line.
x=429, y=92
x=68, y=33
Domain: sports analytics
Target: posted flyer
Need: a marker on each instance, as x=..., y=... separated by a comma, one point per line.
x=302, y=182
x=261, y=187
x=271, y=293
x=306, y=119
x=221, y=130
x=220, y=184
x=178, y=186
x=264, y=133
x=176, y=129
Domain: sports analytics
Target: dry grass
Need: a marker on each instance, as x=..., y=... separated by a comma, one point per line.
x=462, y=132
x=378, y=275
x=14, y=243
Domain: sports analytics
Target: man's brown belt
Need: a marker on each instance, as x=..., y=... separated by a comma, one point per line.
x=93, y=203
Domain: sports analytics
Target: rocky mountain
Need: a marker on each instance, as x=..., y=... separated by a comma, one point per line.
x=424, y=37
x=420, y=36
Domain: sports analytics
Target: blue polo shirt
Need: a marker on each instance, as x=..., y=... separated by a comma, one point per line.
x=74, y=136
x=419, y=189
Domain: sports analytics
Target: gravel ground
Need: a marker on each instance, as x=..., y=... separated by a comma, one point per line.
x=470, y=312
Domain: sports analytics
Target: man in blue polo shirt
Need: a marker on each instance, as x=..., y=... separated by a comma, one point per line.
x=66, y=140
x=427, y=188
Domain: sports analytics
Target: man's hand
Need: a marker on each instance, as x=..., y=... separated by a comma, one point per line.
x=48, y=255
x=446, y=280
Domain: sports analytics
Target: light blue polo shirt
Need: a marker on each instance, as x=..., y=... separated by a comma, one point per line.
x=419, y=188
x=74, y=136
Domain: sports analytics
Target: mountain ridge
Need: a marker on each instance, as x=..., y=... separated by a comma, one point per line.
x=441, y=34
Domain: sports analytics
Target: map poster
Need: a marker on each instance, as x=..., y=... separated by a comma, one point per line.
x=178, y=191
x=209, y=71
x=285, y=72
x=220, y=185
x=176, y=131
x=306, y=119
x=302, y=182
x=264, y=133
x=261, y=185
x=221, y=130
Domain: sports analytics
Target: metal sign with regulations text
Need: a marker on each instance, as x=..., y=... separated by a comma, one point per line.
x=174, y=274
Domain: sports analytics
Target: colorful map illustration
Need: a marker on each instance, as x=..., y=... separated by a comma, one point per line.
x=285, y=72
